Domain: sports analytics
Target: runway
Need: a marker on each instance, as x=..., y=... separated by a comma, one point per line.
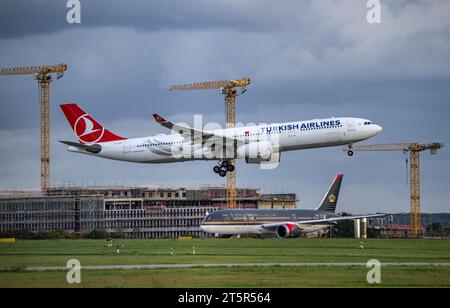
x=181, y=266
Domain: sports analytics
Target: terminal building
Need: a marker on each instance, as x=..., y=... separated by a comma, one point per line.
x=141, y=212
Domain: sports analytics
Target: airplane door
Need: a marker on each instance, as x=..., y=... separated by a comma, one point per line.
x=126, y=147
x=349, y=129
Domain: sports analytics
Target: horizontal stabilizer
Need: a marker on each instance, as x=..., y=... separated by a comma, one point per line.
x=94, y=148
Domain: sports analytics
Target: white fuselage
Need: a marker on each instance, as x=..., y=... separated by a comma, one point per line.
x=285, y=137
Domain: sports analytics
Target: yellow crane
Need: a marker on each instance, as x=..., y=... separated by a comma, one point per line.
x=229, y=89
x=414, y=150
x=42, y=74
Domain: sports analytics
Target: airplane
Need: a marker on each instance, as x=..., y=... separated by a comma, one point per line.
x=257, y=144
x=281, y=223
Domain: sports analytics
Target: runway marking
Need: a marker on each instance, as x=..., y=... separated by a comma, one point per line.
x=177, y=266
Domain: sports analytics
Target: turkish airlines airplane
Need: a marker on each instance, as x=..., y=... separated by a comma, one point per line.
x=282, y=223
x=258, y=144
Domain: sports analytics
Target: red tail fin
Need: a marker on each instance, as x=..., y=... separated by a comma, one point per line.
x=85, y=127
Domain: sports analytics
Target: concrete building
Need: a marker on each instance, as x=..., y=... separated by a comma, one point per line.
x=135, y=212
x=396, y=231
x=276, y=201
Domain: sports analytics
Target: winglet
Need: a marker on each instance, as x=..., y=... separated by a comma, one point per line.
x=159, y=118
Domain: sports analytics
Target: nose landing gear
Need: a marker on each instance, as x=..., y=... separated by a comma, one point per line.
x=349, y=150
x=223, y=167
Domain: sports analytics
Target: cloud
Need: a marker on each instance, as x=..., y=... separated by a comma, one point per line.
x=19, y=18
x=307, y=59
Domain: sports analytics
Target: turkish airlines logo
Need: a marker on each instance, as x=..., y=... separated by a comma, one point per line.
x=88, y=130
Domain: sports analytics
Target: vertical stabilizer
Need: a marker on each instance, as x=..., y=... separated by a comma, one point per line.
x=330, y=199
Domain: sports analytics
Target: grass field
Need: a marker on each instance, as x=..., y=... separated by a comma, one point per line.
x=14, y=258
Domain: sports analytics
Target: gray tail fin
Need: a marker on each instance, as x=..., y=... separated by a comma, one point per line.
x=330, y=199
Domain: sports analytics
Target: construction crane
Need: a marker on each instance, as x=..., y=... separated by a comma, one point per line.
x=229, y=89
x=414, y=150
x=42, y=74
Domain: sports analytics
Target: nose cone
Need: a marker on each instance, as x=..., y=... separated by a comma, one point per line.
x=374, y=130
x=377, y=129
x=206, y=228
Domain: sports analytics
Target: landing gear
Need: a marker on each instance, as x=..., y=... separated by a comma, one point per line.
x=230, y=168
x=223, y=167
x=349, y=150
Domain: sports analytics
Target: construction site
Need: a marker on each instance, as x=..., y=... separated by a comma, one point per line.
x=147, y=213
x=133, y=212
x=263, y=145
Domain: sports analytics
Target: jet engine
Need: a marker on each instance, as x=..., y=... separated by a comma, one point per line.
x=288, y=231
x=259, y=152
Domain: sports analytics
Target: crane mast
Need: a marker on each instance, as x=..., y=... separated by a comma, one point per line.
x=230, y=114
x=414, y=150
x=42, y=74
x=229, y=89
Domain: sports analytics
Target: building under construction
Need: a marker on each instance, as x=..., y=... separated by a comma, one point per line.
x=135, y=212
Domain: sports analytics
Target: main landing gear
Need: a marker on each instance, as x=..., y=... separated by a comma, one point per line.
x=223, y=167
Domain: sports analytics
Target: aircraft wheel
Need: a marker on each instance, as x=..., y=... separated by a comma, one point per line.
x=222, y=173
x=350, y=153
x=225, y=164
x=216, y=169
x=230, y=168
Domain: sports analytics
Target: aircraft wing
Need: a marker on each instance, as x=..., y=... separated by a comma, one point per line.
x=197, y=135
x=319, y=221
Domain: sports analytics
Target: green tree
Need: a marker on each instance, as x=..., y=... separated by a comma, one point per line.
x=344, y=228
x=96, y=235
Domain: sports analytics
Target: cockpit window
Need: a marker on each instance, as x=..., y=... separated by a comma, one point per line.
x=367, y=123
x=211, y=218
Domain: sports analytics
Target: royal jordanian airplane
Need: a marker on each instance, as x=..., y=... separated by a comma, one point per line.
x=282, y=223
x=259, y=144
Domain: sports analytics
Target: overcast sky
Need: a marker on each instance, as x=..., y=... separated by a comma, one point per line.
x=307, y=59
